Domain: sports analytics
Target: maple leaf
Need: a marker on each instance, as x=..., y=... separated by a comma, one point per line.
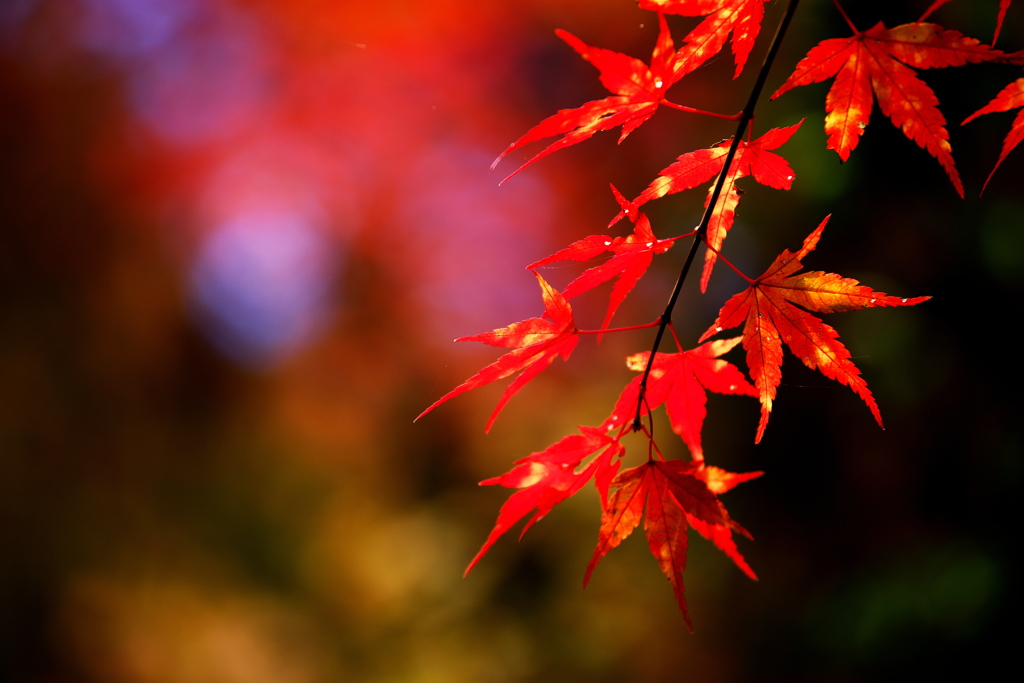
x=638, y=89
x=633, y=256
x=698, y=167
x=681, y=381
x=549, y=477
x=536, y=341
x=670, y=496
x=1010, y=97
x=767, y=311
x=741, y=18
x=880, y=60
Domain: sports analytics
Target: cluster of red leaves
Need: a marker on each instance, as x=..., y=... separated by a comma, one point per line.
x=777, y=308
x=696, y=168
x=881, y=60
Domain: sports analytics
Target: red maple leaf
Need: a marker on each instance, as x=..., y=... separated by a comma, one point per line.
x=547, y=478
x=639, y=90
x=671, y=496
x=880, y=60
x=767, y=311
x=698, y=167
x=1010, y=97
x=741, y=18
x=633, y=256
x=681, y=381
x=536, y=341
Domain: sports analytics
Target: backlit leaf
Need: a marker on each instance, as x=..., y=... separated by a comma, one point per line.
x=769, y=317
x=882, y=61
x=536, y=341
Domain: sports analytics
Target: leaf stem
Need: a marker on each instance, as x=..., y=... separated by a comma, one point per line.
x=621, y=329
x=729, y=263
x=745, y=117
x=680, y=107
x=672, y=329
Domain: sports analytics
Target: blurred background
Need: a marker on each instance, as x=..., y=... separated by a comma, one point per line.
x=236, y=240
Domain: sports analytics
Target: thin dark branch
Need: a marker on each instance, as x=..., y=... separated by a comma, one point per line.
x=745, y=116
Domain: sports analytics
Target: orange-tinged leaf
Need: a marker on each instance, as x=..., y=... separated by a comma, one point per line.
x=536, y=343
x=549, y=477
x=671, y=496
x=696, y=168
x=680, y=381
x=719, y=480
x=880, y=60
x=1010, y=97
x=767, y=312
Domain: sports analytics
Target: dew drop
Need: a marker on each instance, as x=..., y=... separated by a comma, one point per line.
x=718, y=329
x=607, y=243
x=904, y=301
x=657, y=83
x=732, y=387
x=625, y=211
x=872, y=301
x=651, y=244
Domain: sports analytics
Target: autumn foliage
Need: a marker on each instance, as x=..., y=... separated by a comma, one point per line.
x=778, y=310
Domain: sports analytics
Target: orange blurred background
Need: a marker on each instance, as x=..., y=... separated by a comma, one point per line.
x=238, y=238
